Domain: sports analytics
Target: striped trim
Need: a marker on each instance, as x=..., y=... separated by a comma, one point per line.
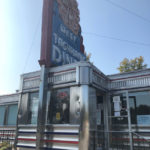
x=61, y=133
x=6, y=139
x=58, y=133
x=7, y=135
x=130, y=77
x=32, y=132
x=49, y=141
x=52, y=149
x=23, y=146
x=66, y=71
x=134, y=139
x=24, y=139
x=58, y=141
x=7, y=130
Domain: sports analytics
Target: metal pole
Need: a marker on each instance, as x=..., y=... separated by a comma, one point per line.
x=106, y=118
x=42, y=108
x=129, y=121
x=19, y=105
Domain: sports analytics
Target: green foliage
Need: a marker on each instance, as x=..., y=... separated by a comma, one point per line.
x=130, y=65
x=5, y=146
x=88, y=56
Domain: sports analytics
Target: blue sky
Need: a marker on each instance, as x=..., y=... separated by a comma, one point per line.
x=102, y=22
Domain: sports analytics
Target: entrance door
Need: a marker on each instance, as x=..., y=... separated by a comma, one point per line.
x=100, y=120
x=120, y=132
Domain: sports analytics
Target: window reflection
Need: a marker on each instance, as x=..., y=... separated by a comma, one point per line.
x=2, y=114
x=12, y=114
x=59, y=106
x=139, y=103
x=33, y=108
x=139, y=107
x=8, y=114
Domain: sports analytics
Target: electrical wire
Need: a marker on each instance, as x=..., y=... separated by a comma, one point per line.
x=128, y=11
x=117, y=39
x=31, y=46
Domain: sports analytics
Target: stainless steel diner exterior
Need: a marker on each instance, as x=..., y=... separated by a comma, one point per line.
x=77, y=107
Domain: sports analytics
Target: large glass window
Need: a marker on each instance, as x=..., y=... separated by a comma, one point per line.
x=139, y=103
x=59, y=106
x=2, y=115
x=119, y=109
x=8, y=114
x=140, y=107
x=33, y=108
x=12, y=114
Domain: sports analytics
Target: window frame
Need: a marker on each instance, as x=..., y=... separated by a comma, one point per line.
x=7, y=106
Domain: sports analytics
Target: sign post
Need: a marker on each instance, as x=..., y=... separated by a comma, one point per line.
x=61, y=44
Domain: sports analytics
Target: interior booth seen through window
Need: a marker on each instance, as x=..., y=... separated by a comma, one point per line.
x=8, y=114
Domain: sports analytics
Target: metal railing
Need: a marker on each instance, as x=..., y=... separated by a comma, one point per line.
x=140, y=142
x=119, y=140
x=7, y=138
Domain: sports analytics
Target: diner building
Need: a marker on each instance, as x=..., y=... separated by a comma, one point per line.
x=80, y=109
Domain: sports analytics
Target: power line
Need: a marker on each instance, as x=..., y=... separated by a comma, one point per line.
x=117, y=39
x=31, y=46
x=129, y=11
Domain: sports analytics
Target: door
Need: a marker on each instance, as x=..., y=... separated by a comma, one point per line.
x=120, y=131
x=100, y=120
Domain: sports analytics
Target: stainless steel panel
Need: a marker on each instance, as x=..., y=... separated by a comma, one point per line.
x=85, y=124
x=42, y=107
x=26, y=137
x=66, y=135
x=62, y=77
x=75, y=105
x=23, y=109
x=9, y=98
x=99, y=80
x=130, y=83
x=84, y=75
x=31, y=83
x=92, y=108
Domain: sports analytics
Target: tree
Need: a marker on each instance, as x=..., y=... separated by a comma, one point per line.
x=130, y=65
x=88, y=56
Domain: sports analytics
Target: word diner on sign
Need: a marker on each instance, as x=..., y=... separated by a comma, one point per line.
x=65, y=44
x=66, y=36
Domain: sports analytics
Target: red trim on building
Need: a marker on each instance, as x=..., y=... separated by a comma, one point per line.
x=49, y=141
x=24, y=139
x=131, y=77
x=58, y=141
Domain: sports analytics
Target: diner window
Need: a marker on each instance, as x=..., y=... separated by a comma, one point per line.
x=12, y=114
x=33, y=108
x=140, y=107
x=8, y=114
x=59, y=106
x=119, y=110
x=139, y=103
x=2, y=115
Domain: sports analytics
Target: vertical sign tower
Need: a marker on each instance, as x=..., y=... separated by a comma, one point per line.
x=62, y=42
